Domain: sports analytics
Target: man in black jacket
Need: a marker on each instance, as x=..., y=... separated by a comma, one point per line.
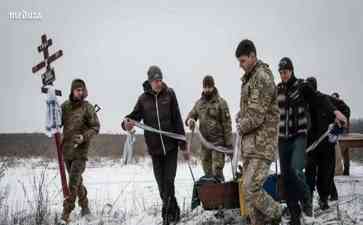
x=294, y=97
x=158, y=108
x=320, y=165
x=345, y=153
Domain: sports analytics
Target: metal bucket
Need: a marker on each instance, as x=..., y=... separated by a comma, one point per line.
x=219, y=196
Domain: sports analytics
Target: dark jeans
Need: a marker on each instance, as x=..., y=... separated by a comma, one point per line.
x=334, y=191
x=346, y=159
x=292, y=162
x=320, y=169
x=164, y=167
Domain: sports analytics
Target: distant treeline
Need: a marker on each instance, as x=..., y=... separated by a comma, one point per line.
x=356, y=126
x=39, y=145
x=103, y=145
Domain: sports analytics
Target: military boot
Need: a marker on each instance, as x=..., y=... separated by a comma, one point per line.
x=165, y=213
x=85, y=212
x=307, y=207
x=323, y=204
x=174, y=212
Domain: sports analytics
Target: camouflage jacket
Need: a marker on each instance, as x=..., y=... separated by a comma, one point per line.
x=214, y=119
x=78, y=118
x=259, y=113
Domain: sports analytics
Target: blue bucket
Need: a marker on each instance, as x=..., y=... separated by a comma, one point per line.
x=271, y=186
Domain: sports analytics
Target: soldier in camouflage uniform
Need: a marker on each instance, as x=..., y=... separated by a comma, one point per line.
x=259, y=117
x=215, y=125
x=80, y=124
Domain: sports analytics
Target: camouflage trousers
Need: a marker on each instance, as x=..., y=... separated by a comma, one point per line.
x=212, y=162
x=262, y=207
x=75, y=168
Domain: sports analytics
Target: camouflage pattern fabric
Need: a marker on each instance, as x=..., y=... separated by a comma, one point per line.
x=75, y=170
x=215, y=126
x=78, y=118
x=259, y=114
x=262, y=207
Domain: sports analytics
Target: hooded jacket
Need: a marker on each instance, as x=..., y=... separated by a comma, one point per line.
x=214, y=119
x=321, y=118
x=295, y=98
x=78, y=118
x=259, y=113
x=160, y=111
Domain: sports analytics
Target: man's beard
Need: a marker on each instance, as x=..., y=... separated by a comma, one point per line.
x=78, y=99
x=208, y=94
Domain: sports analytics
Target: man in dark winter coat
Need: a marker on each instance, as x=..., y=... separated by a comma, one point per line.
x=158, y=108
x=345, y=153
x=294, y=96
x=344, y=108
x=320, y=166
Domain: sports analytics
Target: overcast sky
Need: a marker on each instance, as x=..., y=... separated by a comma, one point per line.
x=110, y=44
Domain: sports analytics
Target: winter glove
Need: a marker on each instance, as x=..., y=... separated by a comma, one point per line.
x=335, y=132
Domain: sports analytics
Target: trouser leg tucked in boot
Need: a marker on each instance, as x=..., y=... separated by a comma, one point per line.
x=261, y=205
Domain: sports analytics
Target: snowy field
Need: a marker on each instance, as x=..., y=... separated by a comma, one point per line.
x=128, y=194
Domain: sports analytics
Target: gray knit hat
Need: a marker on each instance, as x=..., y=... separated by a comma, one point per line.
x=154, y=73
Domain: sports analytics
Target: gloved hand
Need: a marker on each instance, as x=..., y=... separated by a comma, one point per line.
x=191, y=124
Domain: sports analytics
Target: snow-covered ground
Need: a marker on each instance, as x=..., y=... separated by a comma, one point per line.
x=128, y=194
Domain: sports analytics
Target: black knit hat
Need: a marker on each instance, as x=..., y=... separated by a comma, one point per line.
x=208, y=81
x=154, y=73
x=335, y=95
x=286, y=64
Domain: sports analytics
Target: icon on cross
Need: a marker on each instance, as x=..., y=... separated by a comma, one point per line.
x=48, y=77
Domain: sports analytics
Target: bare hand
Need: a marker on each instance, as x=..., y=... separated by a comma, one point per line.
x=78, y=139
x=340, y=119
x=191, y=124
x=186, y=155
x=129, y=125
